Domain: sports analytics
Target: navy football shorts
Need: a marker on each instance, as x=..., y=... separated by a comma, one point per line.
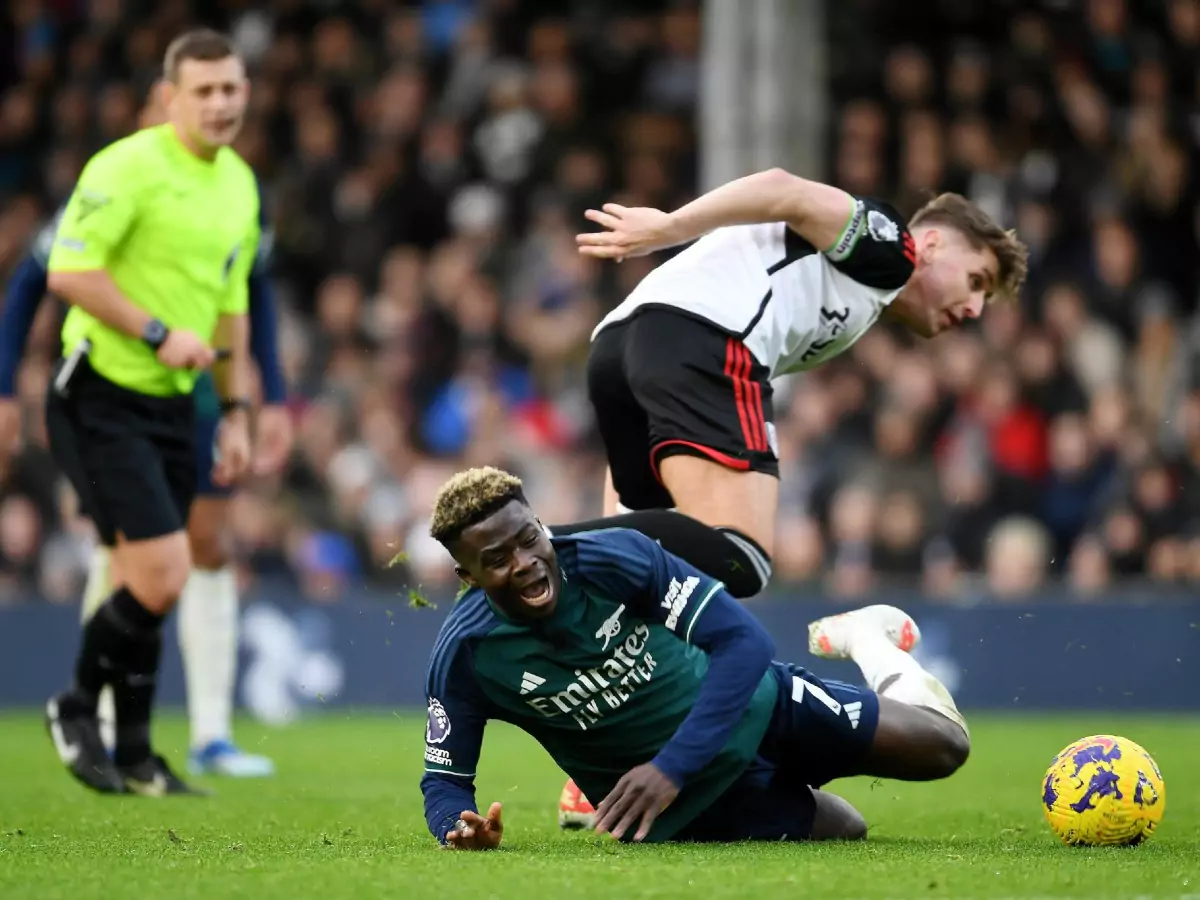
x=762, y=805
x=820, y=730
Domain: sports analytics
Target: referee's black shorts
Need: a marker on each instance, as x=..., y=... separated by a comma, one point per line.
x=664, y=383
x=130, y=457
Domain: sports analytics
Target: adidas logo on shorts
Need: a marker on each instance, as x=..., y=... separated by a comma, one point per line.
x=853, y=712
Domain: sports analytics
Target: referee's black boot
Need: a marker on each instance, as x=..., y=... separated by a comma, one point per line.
x=75, y=732
x=152, y=777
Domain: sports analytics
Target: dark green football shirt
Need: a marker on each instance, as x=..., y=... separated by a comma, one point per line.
x=604, y=683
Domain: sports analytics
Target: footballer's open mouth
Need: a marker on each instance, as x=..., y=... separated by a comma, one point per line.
x=536, y=593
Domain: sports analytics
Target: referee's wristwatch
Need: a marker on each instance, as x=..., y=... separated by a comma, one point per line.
x=233, y=404
x=155, y=334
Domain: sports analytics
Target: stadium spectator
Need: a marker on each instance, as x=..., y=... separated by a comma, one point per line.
x=428, y=165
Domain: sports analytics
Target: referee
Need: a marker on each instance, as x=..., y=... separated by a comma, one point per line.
x=152, y=254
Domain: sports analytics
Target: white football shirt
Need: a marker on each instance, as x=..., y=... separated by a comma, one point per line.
x=791, y=305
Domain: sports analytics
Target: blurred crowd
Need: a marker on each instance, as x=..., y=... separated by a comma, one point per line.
x=1060, y=438
x=426, y=167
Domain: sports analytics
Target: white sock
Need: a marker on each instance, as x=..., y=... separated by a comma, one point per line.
x=880, y=660
x=208, y=619
x=98, y=589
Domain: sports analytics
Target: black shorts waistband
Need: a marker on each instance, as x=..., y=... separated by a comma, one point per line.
x=86, y=379
x=654, y=310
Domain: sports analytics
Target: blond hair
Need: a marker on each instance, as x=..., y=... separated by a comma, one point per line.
x=957, y=212
x=469, y=497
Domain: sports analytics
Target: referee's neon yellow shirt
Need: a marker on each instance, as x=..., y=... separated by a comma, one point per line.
x=178, y=235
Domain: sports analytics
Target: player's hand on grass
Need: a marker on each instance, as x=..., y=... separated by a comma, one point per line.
x=273, y=444
x=638, y=798
x=632, y=231
x=233, y=448
x=474, y=832
x=185, y=350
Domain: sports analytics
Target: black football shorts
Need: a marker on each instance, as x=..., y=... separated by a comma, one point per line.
x=663, y=382
x=130, y=457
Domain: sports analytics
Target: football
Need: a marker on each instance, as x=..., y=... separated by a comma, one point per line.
x=1103, y=791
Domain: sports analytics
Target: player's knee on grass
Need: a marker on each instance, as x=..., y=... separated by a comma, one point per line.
x=836, y=820
x=915, y=744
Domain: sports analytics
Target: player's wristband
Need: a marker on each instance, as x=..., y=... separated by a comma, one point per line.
x=233, y=404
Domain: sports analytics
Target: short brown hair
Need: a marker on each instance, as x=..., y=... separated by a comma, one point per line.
x=957, y=212
x=470, y=497
x=201, y=44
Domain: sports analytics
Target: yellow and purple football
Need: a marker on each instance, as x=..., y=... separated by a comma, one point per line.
x=1103, y=791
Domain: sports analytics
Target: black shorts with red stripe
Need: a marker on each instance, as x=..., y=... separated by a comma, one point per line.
x=663, y=383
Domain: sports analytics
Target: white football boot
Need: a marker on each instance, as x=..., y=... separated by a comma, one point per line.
x=830, y=637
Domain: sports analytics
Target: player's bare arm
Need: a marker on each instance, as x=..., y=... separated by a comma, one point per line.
x=817, y=212
x=232, y=377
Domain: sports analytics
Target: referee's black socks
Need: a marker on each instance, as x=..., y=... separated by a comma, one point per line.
x=724, y=553
x=121, y=647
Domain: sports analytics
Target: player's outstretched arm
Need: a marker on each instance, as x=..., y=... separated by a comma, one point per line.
x=817, y=212
x=453, y=739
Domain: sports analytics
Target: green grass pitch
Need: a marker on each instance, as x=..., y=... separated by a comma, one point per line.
x=343, y=818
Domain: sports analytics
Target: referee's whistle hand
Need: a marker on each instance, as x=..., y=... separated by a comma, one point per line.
x=185, y=350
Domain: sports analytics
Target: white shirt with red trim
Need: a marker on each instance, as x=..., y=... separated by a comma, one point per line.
x=793, y=306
